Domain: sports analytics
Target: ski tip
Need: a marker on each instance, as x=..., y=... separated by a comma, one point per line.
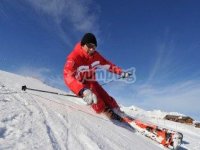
x=177, y=140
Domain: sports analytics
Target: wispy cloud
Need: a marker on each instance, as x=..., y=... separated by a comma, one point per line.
x=180, y=97
x=172, y=61
x=34, y=72
x=43, y=74
x=2, y=12
x=81, y=14
x=164, y=64
x=56, y=81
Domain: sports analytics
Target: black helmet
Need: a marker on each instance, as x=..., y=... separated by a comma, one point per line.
x=89, y=38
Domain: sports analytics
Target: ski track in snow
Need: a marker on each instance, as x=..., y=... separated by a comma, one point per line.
x=31, y=120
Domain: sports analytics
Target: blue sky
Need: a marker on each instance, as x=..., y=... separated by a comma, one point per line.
x=160, y=38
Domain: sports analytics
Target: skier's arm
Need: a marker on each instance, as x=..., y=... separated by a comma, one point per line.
x=69, y=77
x=112, y=67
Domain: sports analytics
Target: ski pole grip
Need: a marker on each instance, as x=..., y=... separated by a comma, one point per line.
x=24, y=88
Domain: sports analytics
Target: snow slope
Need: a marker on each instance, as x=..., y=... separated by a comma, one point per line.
x=33, y=120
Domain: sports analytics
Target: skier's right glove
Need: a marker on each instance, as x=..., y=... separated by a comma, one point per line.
x=89, y=97
x=125, y=75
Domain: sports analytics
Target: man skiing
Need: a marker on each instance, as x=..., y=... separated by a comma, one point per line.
x=79, y=75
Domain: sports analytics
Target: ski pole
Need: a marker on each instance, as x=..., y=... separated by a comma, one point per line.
x=113, y=80
x=24, y=88
x=109, y=81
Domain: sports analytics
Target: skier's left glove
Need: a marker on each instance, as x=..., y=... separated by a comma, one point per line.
x=125, y=75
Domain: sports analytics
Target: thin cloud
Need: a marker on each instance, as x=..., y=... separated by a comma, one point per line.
x=171, y=60
x=164, y=61
x=44, y=75
x=81, y=13
x=2, y=12
x=182, y=97
x=56, y=81
x=38, y=73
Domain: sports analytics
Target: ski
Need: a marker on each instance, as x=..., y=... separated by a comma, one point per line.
x=168, y=138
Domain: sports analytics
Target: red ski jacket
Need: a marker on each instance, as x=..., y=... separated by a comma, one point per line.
x=80, y=67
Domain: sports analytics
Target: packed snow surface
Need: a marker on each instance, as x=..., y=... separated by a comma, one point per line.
x=34, y=120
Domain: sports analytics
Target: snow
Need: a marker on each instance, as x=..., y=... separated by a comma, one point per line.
x=34, y=120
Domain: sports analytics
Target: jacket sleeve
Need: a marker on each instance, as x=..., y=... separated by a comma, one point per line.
x=108, y=65
x=70, y=70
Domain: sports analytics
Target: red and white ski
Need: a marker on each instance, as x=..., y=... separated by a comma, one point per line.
x=168, y=138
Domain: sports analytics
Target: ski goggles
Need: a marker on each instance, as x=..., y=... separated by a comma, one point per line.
x=91, y=45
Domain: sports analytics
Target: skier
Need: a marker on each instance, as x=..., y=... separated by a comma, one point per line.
x=79, y=75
